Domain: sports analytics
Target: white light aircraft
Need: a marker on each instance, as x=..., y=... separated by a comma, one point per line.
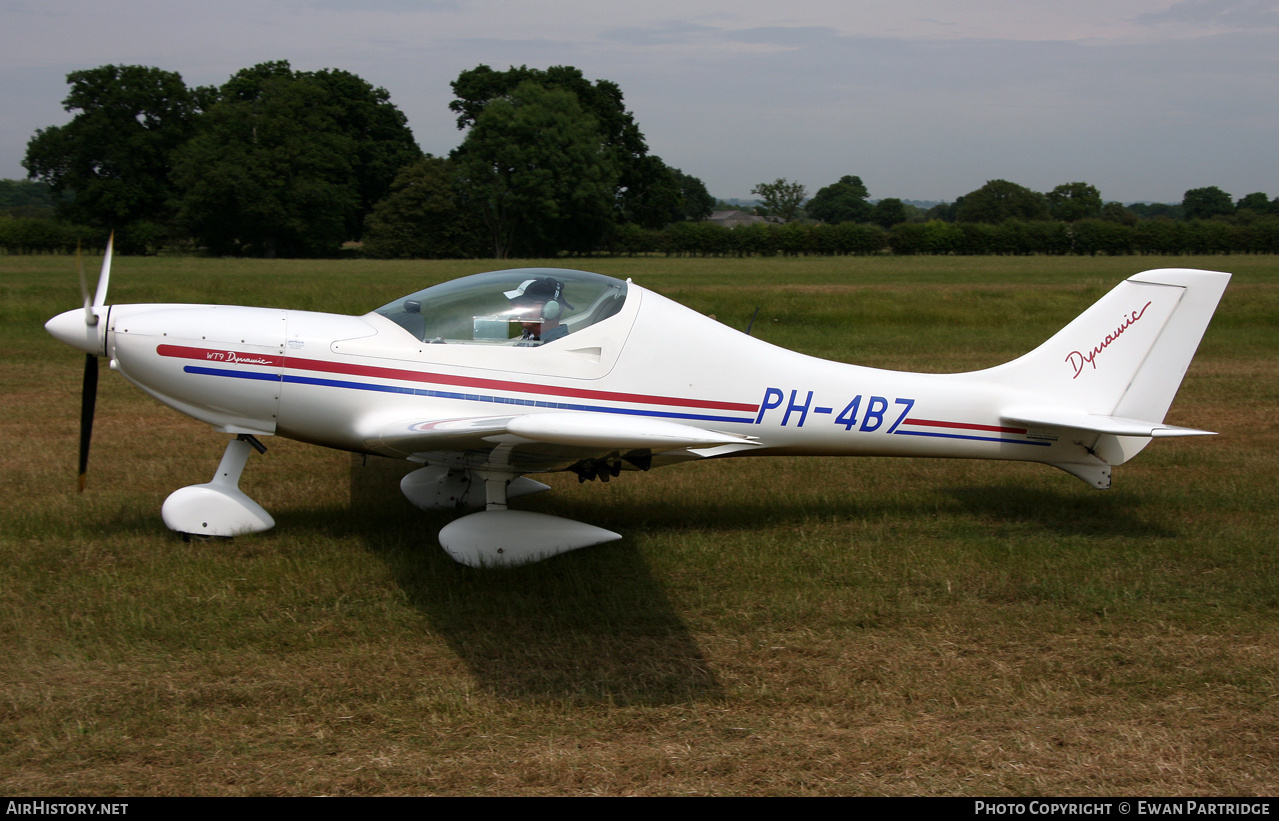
x=488, y=378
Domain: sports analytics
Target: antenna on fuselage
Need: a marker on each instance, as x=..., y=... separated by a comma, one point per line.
x=751, y=324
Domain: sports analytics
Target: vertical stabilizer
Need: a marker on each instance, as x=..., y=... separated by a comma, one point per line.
x=1126, y=355
x=1115, y=370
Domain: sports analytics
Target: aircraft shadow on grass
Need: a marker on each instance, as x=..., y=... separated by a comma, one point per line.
x=1062, y=512
x=600, y=628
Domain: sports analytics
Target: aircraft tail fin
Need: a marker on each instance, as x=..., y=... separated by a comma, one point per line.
x=1115, y=369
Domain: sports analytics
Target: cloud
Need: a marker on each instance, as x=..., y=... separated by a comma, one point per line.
x=659, y=34
x=788, y=36
x=1218, y=14
x=386, y=6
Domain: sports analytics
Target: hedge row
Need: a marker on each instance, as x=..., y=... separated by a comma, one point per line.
x=27, y=235
x=1014, y=237
x=21, y=235
x=1088, y=237
x=704, y=239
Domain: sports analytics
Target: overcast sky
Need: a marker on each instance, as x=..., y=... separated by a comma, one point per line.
x=923, y=99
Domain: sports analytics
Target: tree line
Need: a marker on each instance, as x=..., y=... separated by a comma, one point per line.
x=278, y=162
x=997, y=201
x=998, y=218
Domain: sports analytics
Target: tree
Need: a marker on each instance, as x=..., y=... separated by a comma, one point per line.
x=270, y=175
x=1074, y=201
x=943, y=211
x=1150, y=210
x=290, y=163
x=535, y=168
x=1000, y=200
x=1258, y=203
x=889, y=212
x=697, y=203
x=383, y=142
x=663, y=195
x=844, y=201
x=110, y=165
x=23, y=198
x=479, y=86
x=1203, y=203
x=1115, y=212
x=246, y=85
x=781, y=197
x=422, y=217
x=643, y=189
x=655, y=194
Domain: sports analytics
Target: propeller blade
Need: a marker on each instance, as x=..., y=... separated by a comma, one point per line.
x=84, y=287
x=88, y=399
x=100, y=298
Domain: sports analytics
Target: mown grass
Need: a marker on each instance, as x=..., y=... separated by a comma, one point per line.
x=785, y=626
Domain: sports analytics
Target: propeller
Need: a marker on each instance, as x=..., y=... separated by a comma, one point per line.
x=88, y=400
x=89, y=388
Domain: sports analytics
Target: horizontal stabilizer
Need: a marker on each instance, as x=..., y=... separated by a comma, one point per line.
x=1113, y=425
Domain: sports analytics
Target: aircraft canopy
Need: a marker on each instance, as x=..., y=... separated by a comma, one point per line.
x=496, y=308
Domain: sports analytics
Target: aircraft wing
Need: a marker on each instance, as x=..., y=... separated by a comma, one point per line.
x=576, y=433
x=608, y=431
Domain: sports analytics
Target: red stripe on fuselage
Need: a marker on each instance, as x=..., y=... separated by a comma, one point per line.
x=322, y=366
x=221, y=355
x=933, y=423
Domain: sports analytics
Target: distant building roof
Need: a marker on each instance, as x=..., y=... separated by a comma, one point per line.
x=732, y=219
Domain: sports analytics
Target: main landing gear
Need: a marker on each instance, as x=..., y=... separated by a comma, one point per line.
x=496, y=536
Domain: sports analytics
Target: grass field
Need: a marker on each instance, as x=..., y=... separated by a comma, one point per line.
x=766, y=627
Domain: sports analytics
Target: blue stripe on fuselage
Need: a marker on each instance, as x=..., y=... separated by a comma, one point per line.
x=469, y=397
x=973, y=438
